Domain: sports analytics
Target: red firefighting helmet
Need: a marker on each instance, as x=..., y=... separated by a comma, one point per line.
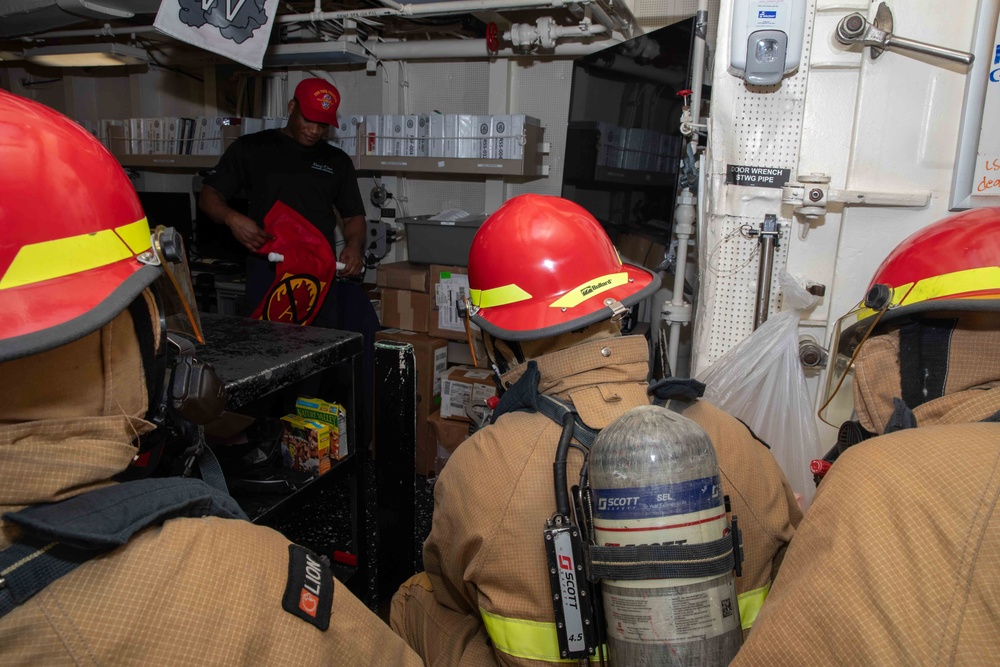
x=75, y=247
x=952, y=265
x=542, y=266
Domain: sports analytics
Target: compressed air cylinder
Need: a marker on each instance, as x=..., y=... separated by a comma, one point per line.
x=655, y=480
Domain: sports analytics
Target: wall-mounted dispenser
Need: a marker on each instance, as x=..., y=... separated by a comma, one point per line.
x=766, y=39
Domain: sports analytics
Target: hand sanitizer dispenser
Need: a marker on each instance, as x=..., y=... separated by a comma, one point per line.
x=766, y=39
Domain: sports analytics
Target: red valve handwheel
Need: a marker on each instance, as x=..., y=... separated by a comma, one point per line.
x=492, y=37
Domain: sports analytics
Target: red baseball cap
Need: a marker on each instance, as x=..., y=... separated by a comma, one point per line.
x=318, y=100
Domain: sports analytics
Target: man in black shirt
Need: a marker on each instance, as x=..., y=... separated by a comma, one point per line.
x=294, y=165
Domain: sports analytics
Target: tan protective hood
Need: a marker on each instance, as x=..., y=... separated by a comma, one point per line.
x=71, y=414
x=973, y=363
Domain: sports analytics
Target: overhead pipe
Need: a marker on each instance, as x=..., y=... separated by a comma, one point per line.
x=602, y=17
x=104, y=31
x=416, y=50
x=474, y=48
x=545, y=32
x=421, y=9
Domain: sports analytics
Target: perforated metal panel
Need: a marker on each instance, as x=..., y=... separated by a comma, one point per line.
x=447, y=87
x=541, y=89
x=360, y=93
x=763, y=128
x=732, y=266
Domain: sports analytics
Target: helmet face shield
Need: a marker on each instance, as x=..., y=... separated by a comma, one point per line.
x=174, y=286
x=849, y=335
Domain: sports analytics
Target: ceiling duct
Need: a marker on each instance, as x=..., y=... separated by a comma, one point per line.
x=314, y=53
x=105, y=54
x=28, y=17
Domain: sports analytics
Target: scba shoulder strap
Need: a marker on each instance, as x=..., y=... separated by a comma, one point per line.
x=59, y=537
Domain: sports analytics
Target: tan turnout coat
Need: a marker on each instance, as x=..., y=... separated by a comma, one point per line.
x=485, y=557
x=192, y=592
x=898, y=560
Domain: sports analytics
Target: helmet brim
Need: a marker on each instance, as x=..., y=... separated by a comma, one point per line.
x=524, y=321
x=56, y=312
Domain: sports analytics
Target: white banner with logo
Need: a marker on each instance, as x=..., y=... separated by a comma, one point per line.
x=236, y=29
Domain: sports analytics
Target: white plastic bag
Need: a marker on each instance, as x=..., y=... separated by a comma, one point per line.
x=760, y=381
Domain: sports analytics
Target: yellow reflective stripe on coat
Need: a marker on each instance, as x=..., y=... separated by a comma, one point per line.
x=497, y=296
x=581, y=293
x=750, y=604
x=521, y=638
x=38, y=262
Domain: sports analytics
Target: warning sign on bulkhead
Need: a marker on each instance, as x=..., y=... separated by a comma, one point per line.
x=757, y=177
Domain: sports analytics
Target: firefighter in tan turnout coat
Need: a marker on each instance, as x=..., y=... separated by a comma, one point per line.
x=898, y=560
x=547, y=288
x=80, y=325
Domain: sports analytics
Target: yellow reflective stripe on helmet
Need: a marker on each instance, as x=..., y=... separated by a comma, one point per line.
x=935, y=287
x=497, y=296
x=524, y=639
x=581, y=293
x=750, y=604
x=38, y=262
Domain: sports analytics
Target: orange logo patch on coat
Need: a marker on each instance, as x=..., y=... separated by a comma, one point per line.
x=309, y=589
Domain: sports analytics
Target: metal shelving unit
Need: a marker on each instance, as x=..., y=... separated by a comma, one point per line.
x=120, y=144
x=530, y=166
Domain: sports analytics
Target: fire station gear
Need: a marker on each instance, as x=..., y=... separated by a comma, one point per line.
x=486, y=576
x=75, y=256
x=541, y=266
x=948, y=266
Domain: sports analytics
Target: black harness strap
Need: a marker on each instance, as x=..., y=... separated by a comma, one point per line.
x=663, y=561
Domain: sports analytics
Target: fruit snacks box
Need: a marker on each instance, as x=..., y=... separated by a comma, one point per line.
x=305, y=445
x=333, y=415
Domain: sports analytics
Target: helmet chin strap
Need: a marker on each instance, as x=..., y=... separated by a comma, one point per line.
x=498, y=361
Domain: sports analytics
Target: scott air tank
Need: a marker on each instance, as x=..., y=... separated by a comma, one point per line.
x=655, y=480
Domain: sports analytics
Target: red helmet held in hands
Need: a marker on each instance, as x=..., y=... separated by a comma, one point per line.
x=542, y=266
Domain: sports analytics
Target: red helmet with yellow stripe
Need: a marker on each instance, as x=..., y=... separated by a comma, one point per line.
x=952, y=265
x=75, y=248
x=542, y=266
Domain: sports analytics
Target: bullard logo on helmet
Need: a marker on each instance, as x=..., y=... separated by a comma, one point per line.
x=596, y=286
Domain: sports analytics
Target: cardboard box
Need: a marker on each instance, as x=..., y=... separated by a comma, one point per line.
x=464, y=387
x=402, y=309
x=403, y=275
x=331, y=414
x=459, y=353
x=449, y=284
x=448, y=435
x=431, y=356
x=305, y=445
